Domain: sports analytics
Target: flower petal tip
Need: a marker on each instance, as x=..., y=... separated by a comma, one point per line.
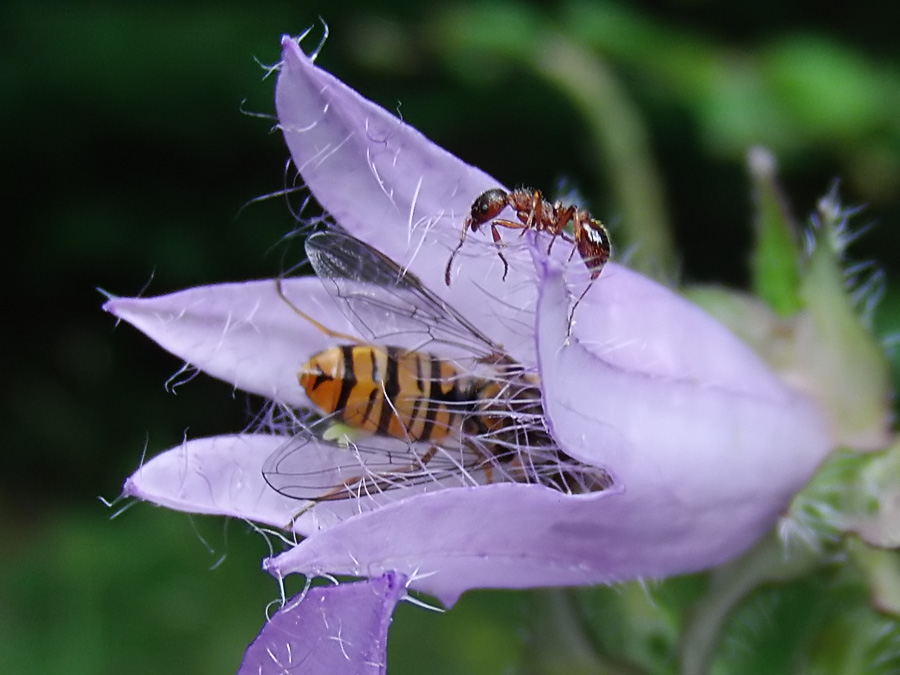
x=111, y=306
x=329, y=629
x=290, y=48
x=130, y=489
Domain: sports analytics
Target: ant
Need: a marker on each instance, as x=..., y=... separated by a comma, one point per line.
x=589, y=234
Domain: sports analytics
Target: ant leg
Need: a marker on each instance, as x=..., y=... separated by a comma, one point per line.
x=565, y=236
x=557, y=226
x=592, y=242
x=495, y=233
x=537, y=210
x=563, y=216
x=450, y=264
x=575, y=305
x=509, y=224
x=462, y=240
x=550, y=245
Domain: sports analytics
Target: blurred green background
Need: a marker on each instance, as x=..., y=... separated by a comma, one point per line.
x=129, y=155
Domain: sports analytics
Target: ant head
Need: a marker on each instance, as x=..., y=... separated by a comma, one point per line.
x=488, y=205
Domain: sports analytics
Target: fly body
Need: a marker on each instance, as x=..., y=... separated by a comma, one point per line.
x=472, y=418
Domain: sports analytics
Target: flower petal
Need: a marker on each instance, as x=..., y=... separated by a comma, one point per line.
x=522, y=536
x=495, y=536
x=704, y=465
x=634, y=323
x=330, y=629
x=390, y=186
x=702, y=415
x=242, y=333
x=374, y=173
x=271, y=479
x=223, y=475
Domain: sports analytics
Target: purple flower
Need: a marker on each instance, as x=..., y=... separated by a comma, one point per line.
x=705, y=444
x=337, y=629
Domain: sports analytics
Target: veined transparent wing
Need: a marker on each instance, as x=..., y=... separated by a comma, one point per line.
x=390, y=305
x=371, y=466
x=375, y=465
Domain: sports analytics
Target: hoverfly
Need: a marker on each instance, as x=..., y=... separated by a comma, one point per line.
x=590, y=237
x=464, y=411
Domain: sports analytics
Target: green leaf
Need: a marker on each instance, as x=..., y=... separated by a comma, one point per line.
x=844, y=366
x=776, y=259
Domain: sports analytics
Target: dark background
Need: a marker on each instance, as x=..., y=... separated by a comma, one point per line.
x=129, y=163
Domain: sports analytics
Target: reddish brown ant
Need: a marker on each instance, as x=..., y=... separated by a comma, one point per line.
x=534, y=212
x=589, y=235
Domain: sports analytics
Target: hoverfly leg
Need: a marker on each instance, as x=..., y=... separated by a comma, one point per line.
x=327, y=331
x=336, y=493
x=293, y=521
x=486, y=462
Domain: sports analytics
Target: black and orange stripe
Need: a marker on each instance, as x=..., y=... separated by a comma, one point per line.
x=389, y=391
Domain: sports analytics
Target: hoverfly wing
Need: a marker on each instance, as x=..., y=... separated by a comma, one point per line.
x=388, y=303
x=310, y=469
x=336, y=254
x=293, y=471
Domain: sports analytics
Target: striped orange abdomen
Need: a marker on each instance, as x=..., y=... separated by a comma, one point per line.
x=388, y=391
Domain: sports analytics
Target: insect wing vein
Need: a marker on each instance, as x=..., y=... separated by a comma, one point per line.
x=362, y=468
x=387, y=303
